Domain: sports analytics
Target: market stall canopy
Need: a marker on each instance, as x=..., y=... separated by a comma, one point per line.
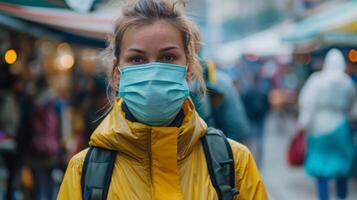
x=77, y=5
x=97, y=24
x=264, y=43
x=38, y=3
x=340, y=38
x=344, y=35
x=321, y=27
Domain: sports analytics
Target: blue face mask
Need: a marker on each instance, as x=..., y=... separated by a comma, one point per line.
x=154, y=92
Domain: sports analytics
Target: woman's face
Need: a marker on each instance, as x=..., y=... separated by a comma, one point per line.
x=156, y=42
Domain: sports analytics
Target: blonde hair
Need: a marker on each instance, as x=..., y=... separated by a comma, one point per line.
x=141, y=12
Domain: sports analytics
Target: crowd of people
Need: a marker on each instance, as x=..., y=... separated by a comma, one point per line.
x=326, y=102
x=40, y=129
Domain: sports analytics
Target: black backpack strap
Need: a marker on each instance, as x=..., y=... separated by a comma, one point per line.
x=220, y=163
x=97, y=173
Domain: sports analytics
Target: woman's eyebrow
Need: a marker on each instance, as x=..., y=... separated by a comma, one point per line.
x=168, y=48
x=136, y=50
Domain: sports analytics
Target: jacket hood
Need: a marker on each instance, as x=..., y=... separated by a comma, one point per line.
x=334, y=61
x=137, y=140
x=327, y=96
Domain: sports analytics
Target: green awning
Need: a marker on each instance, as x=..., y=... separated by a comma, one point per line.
x=82, y=6
x=38, y=3
x=97, y=24
x=340, y=38
x=312, y=28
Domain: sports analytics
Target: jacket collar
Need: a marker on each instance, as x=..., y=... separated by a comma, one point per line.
x=137, y=140
x=176, y=123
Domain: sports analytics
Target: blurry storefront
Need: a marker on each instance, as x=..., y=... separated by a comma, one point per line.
x=333, y=27
x=42, y=41
x=225, y=21
x=53, y=40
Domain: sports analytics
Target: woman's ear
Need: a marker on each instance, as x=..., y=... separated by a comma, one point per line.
x=115, y=67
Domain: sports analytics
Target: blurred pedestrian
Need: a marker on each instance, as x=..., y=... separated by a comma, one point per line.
x=257, y=106
x=43, y=139
x=98, y=104
x=228, y=110
x=148, y=146
x=351, y=70
x=221, y=107
x=9, y=128
x=325, y=102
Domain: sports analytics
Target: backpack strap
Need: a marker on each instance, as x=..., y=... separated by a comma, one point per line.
x=220, y=163
x=97, y=173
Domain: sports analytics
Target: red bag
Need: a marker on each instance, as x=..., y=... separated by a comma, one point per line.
x=297, y=148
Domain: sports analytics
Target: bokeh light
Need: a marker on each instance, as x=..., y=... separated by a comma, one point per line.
x=352, y=55
x=65, y=61
x=10, y=56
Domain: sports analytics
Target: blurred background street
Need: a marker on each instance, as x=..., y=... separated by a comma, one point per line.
x=257, y=57
x=283, y=181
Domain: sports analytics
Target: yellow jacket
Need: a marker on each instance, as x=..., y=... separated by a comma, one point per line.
x=161, y=162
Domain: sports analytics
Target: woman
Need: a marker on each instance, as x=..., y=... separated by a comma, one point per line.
x=325, y=102
x=153, y=124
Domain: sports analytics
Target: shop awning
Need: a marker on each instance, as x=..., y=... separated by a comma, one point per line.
x=264, y=43
x=38, y=3
x=77, y=5
x=318, y=26
x=45, y=32
x=97, y=24
x=344, y=35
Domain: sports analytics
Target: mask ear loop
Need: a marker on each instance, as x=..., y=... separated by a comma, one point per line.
x=188, y=73
x=117, y=72
x=117, y=77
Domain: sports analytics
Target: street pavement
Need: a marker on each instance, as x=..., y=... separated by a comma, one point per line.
x=282, y=181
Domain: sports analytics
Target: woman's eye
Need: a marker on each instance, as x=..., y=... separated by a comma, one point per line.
x=168, y=58
x=136, y=60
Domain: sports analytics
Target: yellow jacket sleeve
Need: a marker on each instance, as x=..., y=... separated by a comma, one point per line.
x=71, y=184
x=249, y=181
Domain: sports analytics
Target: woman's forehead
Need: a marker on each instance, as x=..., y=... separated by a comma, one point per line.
x=158, y=34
